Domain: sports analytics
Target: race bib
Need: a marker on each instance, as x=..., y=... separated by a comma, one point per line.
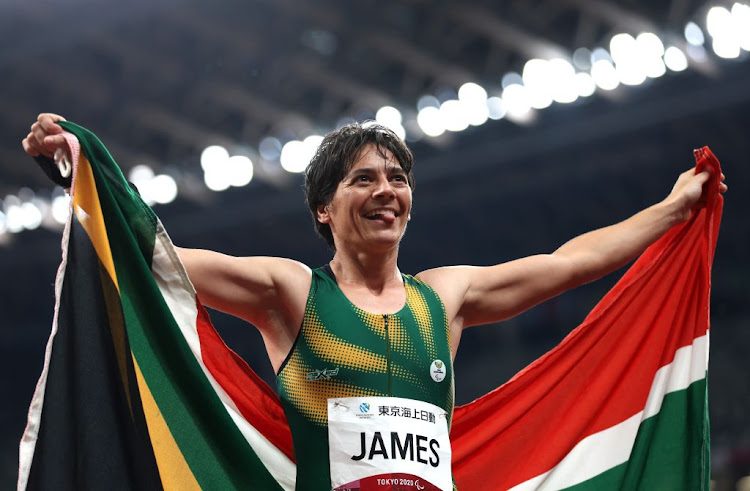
x=388, y=443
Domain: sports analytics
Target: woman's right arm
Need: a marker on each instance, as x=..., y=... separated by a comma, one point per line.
x=269, y=292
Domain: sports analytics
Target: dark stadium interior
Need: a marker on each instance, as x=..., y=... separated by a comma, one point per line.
x=160, y=80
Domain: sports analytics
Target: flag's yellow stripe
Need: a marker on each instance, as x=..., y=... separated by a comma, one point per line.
x=173, y=469
x=89, y=213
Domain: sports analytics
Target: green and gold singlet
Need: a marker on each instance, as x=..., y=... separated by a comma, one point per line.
x=343, y=351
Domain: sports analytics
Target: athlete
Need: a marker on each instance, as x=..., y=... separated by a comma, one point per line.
x=359, y=327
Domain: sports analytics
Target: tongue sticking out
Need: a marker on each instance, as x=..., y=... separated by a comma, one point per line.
x=387, y=218
x=384, y=217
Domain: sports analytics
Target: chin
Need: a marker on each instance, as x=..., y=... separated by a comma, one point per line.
x=387, y=242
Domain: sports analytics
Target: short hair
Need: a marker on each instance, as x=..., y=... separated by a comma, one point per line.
x=335, y=157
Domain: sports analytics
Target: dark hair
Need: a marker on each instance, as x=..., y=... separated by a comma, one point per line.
x=335, y=157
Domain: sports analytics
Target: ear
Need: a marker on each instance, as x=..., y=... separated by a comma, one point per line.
x=322, y=214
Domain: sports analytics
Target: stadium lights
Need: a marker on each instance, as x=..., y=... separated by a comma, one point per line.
x=296, y=155
x=388, y=116
x=675, y=59
x=427, y=101
x=729, y=30
x=536, y=81
x=604, y=74
x=27, y=211
x=270, y=148
x=496, y=108
x=391, y=118
x=430, y=121
x=292, y=156
x=220, y=171
x=694, y=34
x=630, y=60
x=60, y=207
x=473, y=98
x=516, y=99
x=240, y=170
x=23, y=212
x=585, y=84
x=562, y=81
x=453, y=116
x=31, y=215
x=161, y=189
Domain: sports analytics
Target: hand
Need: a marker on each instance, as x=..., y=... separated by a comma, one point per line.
x=689, y=192
x=45, y=136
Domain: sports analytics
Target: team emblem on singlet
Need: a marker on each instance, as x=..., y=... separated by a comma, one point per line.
x=437, y=371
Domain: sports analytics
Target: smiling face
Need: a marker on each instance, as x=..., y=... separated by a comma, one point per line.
x=371, y=204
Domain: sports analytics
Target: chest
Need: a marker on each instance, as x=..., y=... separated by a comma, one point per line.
x=397, y=353
x=386, y=301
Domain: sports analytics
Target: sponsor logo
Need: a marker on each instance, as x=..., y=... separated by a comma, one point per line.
x=364, y=411
x=407, y=412
x=437, y=370
x=324, y=374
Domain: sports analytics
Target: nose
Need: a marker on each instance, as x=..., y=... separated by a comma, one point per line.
x=384, y=189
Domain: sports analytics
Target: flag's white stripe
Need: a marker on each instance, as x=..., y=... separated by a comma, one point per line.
x=609, y=448
x=31, y=433
x=179, y=294
x=34, y=419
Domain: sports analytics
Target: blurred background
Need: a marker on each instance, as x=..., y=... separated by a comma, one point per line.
x=531, y=121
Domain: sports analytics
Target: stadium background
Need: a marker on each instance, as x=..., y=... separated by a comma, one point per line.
x=160, y=81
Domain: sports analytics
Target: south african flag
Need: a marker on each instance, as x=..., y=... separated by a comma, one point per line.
x=139, y=392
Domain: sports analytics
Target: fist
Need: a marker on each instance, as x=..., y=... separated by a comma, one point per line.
x=690, y=191
x=45, y=136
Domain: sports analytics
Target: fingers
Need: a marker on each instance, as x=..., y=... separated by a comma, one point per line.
x=48, y=122
x=722, y=186
x=30, y=145
x=703, y=177
x=36, y=140
x=45, y=136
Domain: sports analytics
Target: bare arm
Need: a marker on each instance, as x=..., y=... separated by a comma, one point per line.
x=251, y=288
x=479, y=295
x=268, y=292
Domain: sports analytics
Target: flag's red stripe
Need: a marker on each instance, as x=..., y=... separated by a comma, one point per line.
x=255, y=400
x=600, y=374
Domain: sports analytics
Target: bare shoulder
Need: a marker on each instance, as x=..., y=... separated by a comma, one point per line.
x=259, y=289
x=450, y=283
x=256, y=269
x=280, y=269
x=442, y=276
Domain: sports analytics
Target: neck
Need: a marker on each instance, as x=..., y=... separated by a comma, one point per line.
x=373, y=270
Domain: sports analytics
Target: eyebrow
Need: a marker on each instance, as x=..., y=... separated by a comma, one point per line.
x=392, y=169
